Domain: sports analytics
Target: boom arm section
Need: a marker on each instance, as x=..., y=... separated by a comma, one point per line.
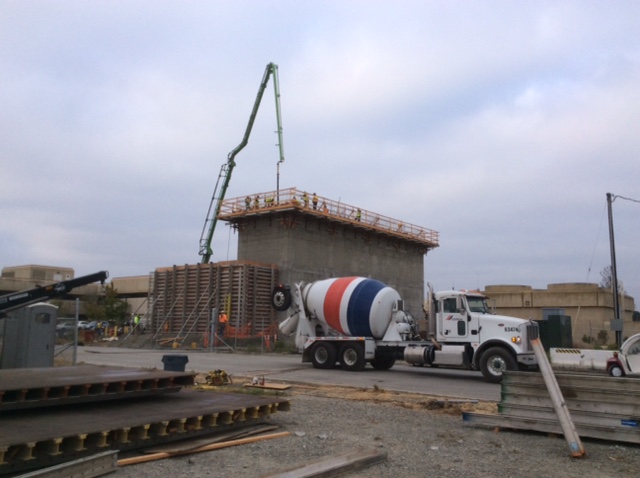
x=23, y=298
x=225, y=171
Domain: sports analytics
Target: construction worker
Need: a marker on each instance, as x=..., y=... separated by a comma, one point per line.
x=256, y=202
x=358, y=215
x=247, y=203
x=305, y=200
x=222, y=323
x=314, y=201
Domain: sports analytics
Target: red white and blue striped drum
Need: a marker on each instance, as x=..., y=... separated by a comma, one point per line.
x=353, y=306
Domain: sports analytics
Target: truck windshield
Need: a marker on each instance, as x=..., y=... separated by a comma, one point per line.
x=478, y=304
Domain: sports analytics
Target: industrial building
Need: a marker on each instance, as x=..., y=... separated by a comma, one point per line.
x=586, y=308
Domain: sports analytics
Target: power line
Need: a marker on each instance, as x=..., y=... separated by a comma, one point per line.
x=626, y=199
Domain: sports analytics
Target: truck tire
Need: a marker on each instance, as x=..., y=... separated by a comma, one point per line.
x=616, y=371
x=494, y=362
x=352, y=357
x=383, y=363
x=281, y=298
x=323, y=355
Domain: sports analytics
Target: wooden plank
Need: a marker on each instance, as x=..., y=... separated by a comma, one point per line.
x=332, y=466
x=188, y=445
x=269, y=385
x=99, y=464
x=214, y=446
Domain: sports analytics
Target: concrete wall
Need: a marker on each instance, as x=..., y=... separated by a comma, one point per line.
x=307, y=248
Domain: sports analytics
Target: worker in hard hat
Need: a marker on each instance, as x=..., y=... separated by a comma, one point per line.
x=314, y=201
x=222, y=323
x=358, y=215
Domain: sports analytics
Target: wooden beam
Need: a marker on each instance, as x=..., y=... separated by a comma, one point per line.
x=337, y=464
x=214, y=446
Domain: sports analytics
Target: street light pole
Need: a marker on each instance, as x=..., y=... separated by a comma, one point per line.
x=614, y=273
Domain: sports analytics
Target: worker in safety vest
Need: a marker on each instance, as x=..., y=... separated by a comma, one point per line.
x=358, y=215
x=222, y=323
x=314, y=201
x=247, y=202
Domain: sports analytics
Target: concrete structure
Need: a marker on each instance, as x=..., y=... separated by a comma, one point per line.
x=310, y=240
x=589, y=306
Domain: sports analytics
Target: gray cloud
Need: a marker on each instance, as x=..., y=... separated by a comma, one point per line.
x=501, y=125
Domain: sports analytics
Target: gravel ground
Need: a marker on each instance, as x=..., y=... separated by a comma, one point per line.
x=420, y=436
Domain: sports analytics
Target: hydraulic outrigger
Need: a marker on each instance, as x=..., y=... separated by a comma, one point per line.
x=225, y=171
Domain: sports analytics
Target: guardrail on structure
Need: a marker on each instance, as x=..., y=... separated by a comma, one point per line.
x=293, y=198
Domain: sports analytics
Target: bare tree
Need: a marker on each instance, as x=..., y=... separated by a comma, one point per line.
x=606, y=280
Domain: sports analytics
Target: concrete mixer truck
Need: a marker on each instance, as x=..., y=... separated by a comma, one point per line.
x=355, y=320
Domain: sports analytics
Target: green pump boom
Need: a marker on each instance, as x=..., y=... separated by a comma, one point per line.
x=222, y=184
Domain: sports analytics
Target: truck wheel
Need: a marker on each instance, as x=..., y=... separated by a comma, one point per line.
x=494, y=362
x=281, y=298
x=383, y=363
x=616, y=371
x=352, y=358
x=323, y=355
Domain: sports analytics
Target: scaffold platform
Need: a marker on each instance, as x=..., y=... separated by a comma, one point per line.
x=294, y=200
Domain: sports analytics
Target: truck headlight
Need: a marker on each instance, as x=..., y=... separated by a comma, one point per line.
x=516, y=339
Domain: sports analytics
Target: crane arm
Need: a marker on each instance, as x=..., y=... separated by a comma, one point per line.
x=222, y=184
x=23, y=298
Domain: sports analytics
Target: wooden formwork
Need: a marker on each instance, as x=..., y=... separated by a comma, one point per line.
x=182, y=299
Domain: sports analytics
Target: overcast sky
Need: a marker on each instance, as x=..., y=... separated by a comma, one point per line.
x=501, y=125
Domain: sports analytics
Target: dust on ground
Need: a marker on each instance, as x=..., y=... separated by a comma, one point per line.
x=375, y=394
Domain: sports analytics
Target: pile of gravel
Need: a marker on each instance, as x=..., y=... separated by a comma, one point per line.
x=419, y=442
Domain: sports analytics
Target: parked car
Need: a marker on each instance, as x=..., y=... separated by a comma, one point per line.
x=83, y=324
x=65, y=327
x=626, y=361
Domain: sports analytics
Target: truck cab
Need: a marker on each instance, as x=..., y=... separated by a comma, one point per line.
x=494, y=343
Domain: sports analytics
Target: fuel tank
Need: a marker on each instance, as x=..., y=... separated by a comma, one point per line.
x=353, y=306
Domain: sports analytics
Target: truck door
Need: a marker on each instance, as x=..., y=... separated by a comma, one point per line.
x=453, y=318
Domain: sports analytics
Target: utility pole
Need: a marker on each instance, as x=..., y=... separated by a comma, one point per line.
x=618, y=323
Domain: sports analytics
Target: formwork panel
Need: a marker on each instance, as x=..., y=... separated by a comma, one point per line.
x=182, y=298
x=49, y=386
x=35, y=438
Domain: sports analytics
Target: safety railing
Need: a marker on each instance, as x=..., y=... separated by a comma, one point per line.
x=293, y=198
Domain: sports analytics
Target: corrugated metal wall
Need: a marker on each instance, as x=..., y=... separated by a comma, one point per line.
x=181, y=298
